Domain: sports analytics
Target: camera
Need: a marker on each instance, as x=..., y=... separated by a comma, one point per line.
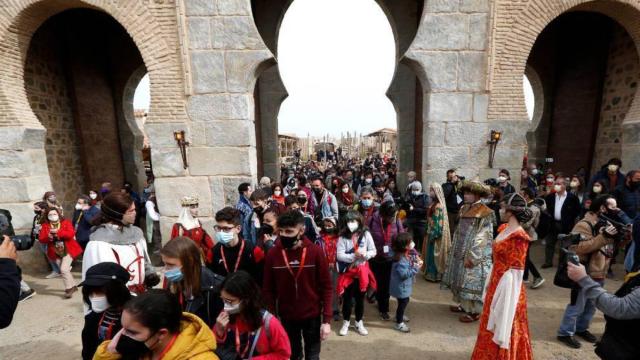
x=567, y=240
x=22, y=242
x=604, y=221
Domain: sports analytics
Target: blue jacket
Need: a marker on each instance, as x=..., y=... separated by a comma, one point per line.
x=83, y=227
x=628, y=201
x=402, y=274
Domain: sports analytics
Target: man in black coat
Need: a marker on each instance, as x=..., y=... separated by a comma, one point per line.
x=9, y=282
x=564, y=209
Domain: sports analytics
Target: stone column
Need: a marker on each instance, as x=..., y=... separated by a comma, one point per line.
x=631, y=145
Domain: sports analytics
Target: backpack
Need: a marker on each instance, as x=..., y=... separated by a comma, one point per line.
x=229, y=353
x=561, y=278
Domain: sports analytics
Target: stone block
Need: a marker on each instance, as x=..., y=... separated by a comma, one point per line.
x=209, y=107
x=36, y=163
x=208, y=72
x=198, y=137
x=37, y=185
x=19, y=138
x=161, y=134
x=200, y=7
x=509, y=157
x=233, y=7
x=472, y=134
x=13, y=190
x=475, y=5
x=241, y=69
x=450, y=107
x=241, y=107
x=199, y=37
x=631, y=134
x=441, y=69
x=240, y=33
x=230, y=133
x=166, y=224
x=434, y=133
x=16, y=163
x=480, y=107
x=230, y=186
x=439, y=157
x=513, y=132
x=21, y=215
x=207, y=224
x=478, y=24
x=216, y=25
x=219, y=161
x=435, y=6
x=443, y=32
x=217, y=193
x=472, y=71
x=169, y=192
x=167, y=162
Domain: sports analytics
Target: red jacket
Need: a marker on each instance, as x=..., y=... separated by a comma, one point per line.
x=199, y=236
x=314, y=289
x=66, y=234
x=272, y=346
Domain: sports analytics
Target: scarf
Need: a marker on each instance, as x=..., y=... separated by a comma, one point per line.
x=187, y=220
x=441, y=251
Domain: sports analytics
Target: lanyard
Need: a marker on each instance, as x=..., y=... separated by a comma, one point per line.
x=109, y=327
x=297, y=275
x=242, y=353
x=79, y=218
x=386, y=233
x=168, y=347
x=224, y=260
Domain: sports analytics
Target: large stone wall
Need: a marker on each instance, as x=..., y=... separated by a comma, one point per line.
x=620, y=85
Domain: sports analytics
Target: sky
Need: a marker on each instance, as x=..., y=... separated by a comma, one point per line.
x=336, y=73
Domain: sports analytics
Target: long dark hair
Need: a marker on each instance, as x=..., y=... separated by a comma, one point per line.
x=350, y=216
x=190, y=256
x=116, y=292
x=241, y=285
x=156, y=309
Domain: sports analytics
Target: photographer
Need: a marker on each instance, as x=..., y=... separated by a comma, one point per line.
x=595, y=250
x=622, y=313
x=9, y=281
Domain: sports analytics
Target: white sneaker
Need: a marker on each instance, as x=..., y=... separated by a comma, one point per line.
x=361, y=329
x=53, y=275
x=345, y=328
x=402, y=327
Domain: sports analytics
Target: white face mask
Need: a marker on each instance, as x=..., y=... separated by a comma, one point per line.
x=99, y=304
x=345, y=190
x=502, y=178
x=412, y=246
x=574, y=184
x=232, y=309
x=78, y=206
x=534, y=171
x=352, y=225
x=597, y=189
x=53, y=217
x=557, y=188
x=93, y=196
x=613, y=168
x=277, y=193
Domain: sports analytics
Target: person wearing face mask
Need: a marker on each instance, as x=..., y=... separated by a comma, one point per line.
x=296, y=278
x=105, y=189
x=328, y=241
x=39, y=210
x=244, y=205
x=355, y=249
x=252, y=224
x=95, y=198
x=268, y=231
x=503, y=182
x=576, y=187
x=231, y=252
x=628, y=195
x=104, y=292
x=610, y=174
x=417, y=204
x=82, y=217
x=116, y=239
x=310, y=228
x=532, y=179
x=154, y=237
x=366, y=182
x=598, y=188
x=197, y=288
x=550, y=180
x=324, y=202
x=189, y=226
x=154, y=327
x=564, y=207
x=384, y=227
x=277, y=194
x=367, y=205
x=245, y=329
x=303, y=201
x=58, y=234
x=382, y=194
x=436, y=248
x=504, y=328
x=453, y=198
x=345, y=197
x=265, y=185
x=470, y=255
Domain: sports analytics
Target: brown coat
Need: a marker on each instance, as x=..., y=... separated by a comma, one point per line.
x=589, y=250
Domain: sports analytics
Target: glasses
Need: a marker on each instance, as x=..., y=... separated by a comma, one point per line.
x=223, y=228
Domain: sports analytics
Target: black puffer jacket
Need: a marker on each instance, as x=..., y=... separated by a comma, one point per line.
x=208, y=304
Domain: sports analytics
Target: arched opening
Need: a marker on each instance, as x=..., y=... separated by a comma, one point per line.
x=587, y=65
x=404, y=90
x=81, y=71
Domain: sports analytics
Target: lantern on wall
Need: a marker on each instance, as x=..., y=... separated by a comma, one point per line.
x=494, y=139
x=182, y=144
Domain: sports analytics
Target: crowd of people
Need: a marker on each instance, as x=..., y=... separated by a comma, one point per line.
x=325, y=239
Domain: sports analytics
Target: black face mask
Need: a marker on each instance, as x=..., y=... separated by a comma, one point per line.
x=635, y=185
x=258, y=209
x=318, y=191
x=131, y=348
x=288, y=241
x=267, y=229
x=302, y=200
x=332, y=230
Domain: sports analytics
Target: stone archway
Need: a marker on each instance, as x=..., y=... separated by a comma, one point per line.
x=24, y=157
x=513, y=41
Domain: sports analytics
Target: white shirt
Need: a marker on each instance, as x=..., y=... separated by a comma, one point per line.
x=557, y=213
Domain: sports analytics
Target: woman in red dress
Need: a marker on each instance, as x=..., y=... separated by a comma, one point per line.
x=504, y=328
x=189, y=226
x=58, y=234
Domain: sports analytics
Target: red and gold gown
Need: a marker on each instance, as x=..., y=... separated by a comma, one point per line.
x=509, y=256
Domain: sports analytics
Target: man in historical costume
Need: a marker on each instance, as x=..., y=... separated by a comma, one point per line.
x=469, y=260
x=188, y=225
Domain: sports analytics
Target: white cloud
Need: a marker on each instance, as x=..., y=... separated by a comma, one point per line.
x=529, y=99
x=142, y=98
x=337, y=66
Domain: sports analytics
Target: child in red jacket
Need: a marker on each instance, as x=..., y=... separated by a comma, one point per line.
x=58, y=234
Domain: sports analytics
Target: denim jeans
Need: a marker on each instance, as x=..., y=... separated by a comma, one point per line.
x=577, y=317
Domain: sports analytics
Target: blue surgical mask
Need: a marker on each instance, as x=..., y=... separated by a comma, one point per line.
x=224, y=237
x=367, y=202
x=173, y=275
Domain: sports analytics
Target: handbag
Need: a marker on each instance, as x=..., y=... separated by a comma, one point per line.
x=344, y=266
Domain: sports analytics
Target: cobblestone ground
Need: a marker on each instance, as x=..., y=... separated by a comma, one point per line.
x=47, y=326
